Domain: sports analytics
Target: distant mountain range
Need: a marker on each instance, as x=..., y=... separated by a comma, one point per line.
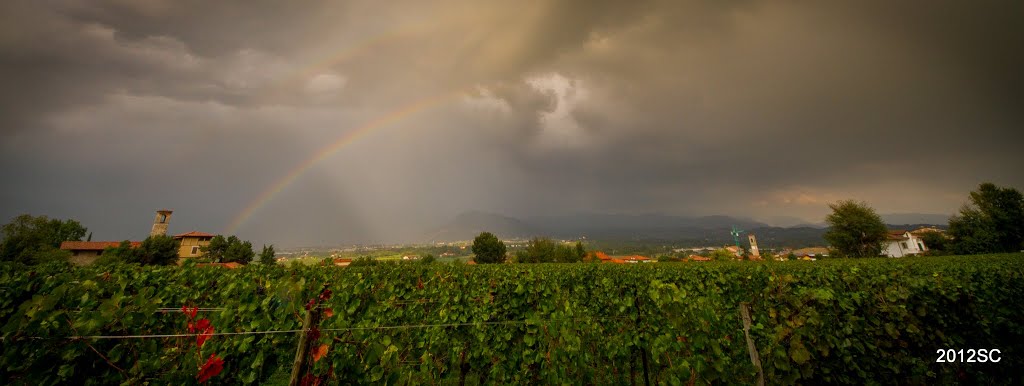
x=916, y=218
x=684, y=230
x=467, y=225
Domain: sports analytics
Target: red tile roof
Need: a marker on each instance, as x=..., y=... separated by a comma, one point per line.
x=635, y=258
x=897, y=235
x=194, y=234
x=93, y=245
x=699, y=258
x=603, y=257
x=231, y=265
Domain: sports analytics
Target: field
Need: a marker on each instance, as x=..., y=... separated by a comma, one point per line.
x=830, y=321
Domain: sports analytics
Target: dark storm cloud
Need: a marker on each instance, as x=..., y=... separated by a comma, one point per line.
x=749, y=108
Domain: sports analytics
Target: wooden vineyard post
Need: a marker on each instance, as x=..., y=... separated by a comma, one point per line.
x=303, y=349
x=751, y=348
x=643, y=345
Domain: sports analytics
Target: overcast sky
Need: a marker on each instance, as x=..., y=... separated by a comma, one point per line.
x=110, y=110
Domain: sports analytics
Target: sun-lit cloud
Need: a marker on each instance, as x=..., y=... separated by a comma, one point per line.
x=325, y=84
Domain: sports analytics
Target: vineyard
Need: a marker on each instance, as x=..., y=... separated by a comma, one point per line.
x=838, y=321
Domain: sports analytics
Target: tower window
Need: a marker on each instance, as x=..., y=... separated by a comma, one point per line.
x=163, y=218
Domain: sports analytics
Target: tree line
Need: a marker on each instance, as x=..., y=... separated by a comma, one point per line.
x=992, y=221
x=34, y=240
x=488, y=249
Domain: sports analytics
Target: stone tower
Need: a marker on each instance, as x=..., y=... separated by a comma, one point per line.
x=160, y=223
x=753, y=245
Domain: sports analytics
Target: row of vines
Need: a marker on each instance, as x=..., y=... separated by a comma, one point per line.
x=847, y=322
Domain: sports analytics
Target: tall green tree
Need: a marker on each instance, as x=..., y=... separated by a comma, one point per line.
x=539, y=250
x=567, y=254
x=215, y=250
x=157, y=250
x=267, y=255
x=121, y=253
x=546, y=250
x=855, y=230
x=154, y=250
x=722, y=255
x=581, y=253
x=239, y=251
x=227, y=250
x=26, y=235
x=993, y=221
x=488, y=249
x=937, y=243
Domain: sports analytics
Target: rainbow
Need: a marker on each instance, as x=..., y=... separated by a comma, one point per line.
x=319, y=66
x=338, y=144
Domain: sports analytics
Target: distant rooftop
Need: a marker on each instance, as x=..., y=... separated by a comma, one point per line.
x=194, y=234
x=93, y=245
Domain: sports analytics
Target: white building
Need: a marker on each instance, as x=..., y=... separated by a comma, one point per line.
x=902, y=243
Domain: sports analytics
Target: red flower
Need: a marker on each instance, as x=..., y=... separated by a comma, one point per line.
x=191, y=312
x=325, y=294
x=319, y=352
x=205, y=331
x=202, y=324
x=211, y=368
x=199, y=325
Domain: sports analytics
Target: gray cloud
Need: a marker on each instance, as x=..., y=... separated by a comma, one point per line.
x=763, y=109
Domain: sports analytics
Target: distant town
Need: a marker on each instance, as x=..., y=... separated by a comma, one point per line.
x=194, y=245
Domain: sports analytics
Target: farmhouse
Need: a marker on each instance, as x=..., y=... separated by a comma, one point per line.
x=902, y=243
x=191, y=243
x=698, y=258
x=86, y=252
x=632, y=259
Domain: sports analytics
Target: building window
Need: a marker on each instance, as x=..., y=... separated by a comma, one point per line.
x=904, y=244
x=195, y=250
x=920, y=246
